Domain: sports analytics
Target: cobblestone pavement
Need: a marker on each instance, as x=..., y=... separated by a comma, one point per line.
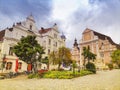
x=103, y=80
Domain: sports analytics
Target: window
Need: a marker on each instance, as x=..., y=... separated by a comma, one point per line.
x=48, y=51
x=55, y=35
x=30, y=27
x=101, y=54
x=9, y=65
x=56, y=44
x=49, y=41
x=11, y=51
x=19, y=65
x=22, y=36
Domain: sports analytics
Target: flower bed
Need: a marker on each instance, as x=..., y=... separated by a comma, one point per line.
x=59, y=74
x=65, y=74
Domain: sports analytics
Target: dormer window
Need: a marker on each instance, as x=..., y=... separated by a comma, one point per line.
x=11, y=51
x=30, y=27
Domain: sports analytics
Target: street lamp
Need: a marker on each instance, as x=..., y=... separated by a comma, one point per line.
x=3, y=61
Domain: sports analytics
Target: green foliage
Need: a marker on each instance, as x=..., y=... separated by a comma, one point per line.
x=63, y=55
x=110, y=65
x=53, y=59
x=74, y=65
x=45, y=60
x=59, y=74
x=28, y=48
x=65, y=74
x=35, y=75
x=116, y=57
x=88, y=55
x=91, y=67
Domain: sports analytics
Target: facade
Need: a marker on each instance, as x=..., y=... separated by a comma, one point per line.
x=99, y=44
x=76, y=52
x=49, y=38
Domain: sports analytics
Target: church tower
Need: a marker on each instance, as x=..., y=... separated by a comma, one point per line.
x=30, y=23
x=76, y=52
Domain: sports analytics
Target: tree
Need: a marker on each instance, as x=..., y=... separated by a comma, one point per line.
x=29, y=51
x=116, y=57
x=63, y=55
x=91, y=67
x=53, y=58
x=74, y=65
x=88, y=55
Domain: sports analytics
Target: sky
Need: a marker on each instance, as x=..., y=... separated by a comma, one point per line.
x=71, y=16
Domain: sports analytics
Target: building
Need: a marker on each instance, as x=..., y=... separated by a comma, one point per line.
x=99, y=44
x=76, y=52
x=49, y=38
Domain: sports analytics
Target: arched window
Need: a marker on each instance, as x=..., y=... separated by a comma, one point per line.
x=30, y=27
x=9, y=65
x=19, y=65
x=48, y=51
x=11, y=51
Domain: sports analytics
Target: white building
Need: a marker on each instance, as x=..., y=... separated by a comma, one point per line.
x=49, y=38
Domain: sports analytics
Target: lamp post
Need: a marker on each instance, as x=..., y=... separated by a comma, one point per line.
x=3, y=61
x=79, y=66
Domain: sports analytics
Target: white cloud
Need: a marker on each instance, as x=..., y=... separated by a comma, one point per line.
x=72, y=16
x=63, y=12
x=76, y=15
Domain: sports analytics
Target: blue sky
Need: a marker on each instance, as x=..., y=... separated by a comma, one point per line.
x=72, y=16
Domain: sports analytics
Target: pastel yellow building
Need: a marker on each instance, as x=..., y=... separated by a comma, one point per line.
x=100, y=44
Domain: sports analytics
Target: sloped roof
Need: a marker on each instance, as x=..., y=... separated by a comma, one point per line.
x=43, y=31
x=87, y=30
x=2, y=34
x=103, y=37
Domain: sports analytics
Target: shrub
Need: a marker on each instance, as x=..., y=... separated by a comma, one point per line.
x=74, y=65
x=61, y=69
x=110, y=65
x=2, y=77
x=36, y=75
x=91, y=67
x=65, y=74
x=53, y=69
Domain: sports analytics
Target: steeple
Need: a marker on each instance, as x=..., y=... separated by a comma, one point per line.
x=63, y=36
x=55, y=27
x=31, y=18
x=75, y=43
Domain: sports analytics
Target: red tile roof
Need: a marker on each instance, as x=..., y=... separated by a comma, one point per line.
x=43, y=31
x=2, y=34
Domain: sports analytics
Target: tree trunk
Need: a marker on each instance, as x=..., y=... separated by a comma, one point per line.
x=34, y=69
x=84, y=63
x=59, y=66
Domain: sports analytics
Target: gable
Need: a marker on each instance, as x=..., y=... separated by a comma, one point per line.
x=87, y=35
x=87, y=30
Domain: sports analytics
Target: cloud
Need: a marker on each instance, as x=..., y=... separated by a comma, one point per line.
x=72, y=16
x=99, y=15
x=16, y=10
